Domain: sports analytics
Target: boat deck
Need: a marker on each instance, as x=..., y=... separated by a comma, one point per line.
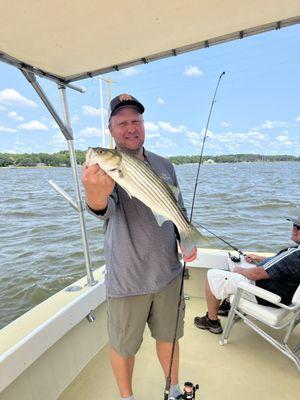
x=248, y=367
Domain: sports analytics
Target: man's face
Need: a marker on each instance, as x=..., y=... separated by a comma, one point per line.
x=296, y=234
x=127, y=129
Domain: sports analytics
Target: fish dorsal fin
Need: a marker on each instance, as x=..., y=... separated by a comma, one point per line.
x=175, y=190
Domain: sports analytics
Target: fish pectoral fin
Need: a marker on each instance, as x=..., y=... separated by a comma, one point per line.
x=175, y=190
x=193, y=238
x=160, y=218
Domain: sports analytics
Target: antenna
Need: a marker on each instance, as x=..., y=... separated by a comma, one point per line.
x=108, y=81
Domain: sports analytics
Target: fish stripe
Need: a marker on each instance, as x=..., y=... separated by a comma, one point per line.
x=158, y=187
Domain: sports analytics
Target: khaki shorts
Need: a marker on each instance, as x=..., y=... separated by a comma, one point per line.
x=127, y=318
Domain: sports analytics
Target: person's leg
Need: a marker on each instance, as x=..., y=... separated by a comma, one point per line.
x=162, y=322
x=212, y=302
x=122, y=368
x=126, y=320
x=164, y=350
x=219, y=285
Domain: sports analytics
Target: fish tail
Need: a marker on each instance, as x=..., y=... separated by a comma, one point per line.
x=192, y=238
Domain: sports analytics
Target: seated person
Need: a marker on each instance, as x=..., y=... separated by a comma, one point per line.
x=247, y=262
x=279, y=274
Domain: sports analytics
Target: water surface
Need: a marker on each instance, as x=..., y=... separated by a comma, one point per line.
x=40, y=241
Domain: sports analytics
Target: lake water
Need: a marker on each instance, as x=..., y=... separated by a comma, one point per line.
x=40, y=241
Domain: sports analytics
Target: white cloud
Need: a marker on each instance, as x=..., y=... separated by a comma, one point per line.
x=53, y=124
x=33, y=126
x=19, y=143
x=196, y=138
x=12, y=97
x=162, y=144
x=226, y=124
x=152, y=135
x=89, y=110
x=151, y=126
x=192, y=71
x=297, y=119
x=161, y=101
x=89, y=131
x=58, y=142
x=4, y=129
x=193, y=135
x=74, y=118
x=282, y=138
x=168, y=127
x=274, y=124
x=81, y=144
x=241, y=136
x=15, y=116
x=131, y=71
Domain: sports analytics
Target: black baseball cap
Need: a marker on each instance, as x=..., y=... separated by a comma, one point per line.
x=123, y=100
x=295, y=220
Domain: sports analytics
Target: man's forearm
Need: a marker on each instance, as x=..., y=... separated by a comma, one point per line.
x=253, y=274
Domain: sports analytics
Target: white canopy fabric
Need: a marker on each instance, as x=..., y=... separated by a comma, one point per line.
x=74, y=39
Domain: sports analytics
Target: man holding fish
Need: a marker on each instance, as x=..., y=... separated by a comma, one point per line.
x=136, y=193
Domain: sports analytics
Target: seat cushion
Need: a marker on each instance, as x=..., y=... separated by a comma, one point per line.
x=269, y=315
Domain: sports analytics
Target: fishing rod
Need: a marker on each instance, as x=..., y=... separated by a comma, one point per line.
x=223, y=240
x=168, y=378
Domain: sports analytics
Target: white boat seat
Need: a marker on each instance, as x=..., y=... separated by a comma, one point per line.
x=284, y=317
x=270, y=315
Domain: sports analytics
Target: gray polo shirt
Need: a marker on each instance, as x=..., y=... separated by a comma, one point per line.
x=141, y=257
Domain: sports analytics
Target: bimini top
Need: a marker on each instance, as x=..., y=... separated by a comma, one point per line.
x=75, y=39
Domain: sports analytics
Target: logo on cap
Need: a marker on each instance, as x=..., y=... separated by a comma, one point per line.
x=125, y=97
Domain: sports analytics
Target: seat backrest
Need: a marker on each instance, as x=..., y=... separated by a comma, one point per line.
x=296, y=297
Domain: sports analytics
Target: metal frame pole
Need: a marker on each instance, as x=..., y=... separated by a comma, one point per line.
x=68, y=134
x=79, y=201
x=102, y=112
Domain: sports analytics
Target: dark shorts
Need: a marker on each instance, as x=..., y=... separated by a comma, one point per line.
x=127, y=318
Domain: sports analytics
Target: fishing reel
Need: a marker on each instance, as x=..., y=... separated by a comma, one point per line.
x=189, y=392
x=234, y=259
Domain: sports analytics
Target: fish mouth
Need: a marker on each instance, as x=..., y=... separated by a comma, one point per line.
x=88, y=156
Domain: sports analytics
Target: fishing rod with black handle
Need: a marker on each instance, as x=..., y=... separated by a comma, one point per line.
x=168, y=378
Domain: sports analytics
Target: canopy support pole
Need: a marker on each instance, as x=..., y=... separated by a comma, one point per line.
x=66, y=129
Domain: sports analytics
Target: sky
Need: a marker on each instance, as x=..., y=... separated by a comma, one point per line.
x=257, y=108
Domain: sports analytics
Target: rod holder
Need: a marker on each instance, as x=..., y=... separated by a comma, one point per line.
x=64, y=194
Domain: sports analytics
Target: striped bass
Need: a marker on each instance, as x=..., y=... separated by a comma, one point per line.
x=140, y=181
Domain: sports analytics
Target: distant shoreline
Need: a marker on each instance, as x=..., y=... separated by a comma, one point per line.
x=61, y=159
x=79, y=165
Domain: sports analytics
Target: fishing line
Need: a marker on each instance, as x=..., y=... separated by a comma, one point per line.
x=223, y=240
x=168, y=378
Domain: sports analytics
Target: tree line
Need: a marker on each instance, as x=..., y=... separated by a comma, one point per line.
x=233, y=158
x=61, y=159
